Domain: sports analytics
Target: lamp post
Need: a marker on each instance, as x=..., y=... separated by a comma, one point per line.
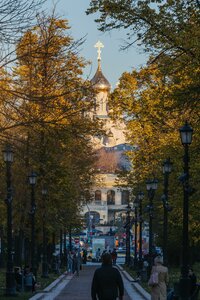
x=127, y=226
x=10, y=276
x=136, y=204
x=167, y=168
x=32, y=181
x=70, y=237
x=140, y=198
x=89, y=225
x=151, y=186
x=186, y=138
x=44, y=257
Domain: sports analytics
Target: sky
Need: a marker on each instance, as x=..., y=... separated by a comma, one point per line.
x=114, y=61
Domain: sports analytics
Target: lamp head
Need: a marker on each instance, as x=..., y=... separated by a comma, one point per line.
x=44, y=190
x=167, y=166
x=186, y=134
x=32, y=178
x=152, y=184
x=8, y=153
x=140, y=196
x=148, y=184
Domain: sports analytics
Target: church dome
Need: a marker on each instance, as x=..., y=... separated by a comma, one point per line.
x=99, y=81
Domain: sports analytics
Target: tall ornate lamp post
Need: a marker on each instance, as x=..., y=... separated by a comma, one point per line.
x=10, y=276
x=167, y=168
x=151, y=186
x=186, y=138
x=140, y=198
x=127, y=226
x=44, y=257
x=32, y=181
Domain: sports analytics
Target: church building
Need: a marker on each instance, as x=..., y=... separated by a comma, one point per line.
x=109, y=201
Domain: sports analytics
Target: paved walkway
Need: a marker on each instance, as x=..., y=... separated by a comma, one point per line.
x=80, y=287
x=72, y=287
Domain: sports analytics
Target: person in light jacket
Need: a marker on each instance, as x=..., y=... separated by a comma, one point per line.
x=159, y=291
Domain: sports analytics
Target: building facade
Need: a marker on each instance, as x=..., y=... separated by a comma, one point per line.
x=109, y=201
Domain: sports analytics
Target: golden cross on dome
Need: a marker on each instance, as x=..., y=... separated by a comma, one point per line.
x=99, y=45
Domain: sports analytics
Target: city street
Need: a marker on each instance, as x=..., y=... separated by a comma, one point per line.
x=100, y=146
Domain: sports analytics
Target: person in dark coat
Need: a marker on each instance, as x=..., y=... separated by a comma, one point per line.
x=193, y=281
x=114, y=256
x=107, y=283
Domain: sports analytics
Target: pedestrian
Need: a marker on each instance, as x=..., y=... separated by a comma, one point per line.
x=193, y=281
x=33, y=281
x=69, y=262
x=84, y=256
x=19, y=278
x=98, y=254
x=29, y=279
x=159, y=289
x=114, y=256
x=76, y=262
x=79, y=259
x=107, y=283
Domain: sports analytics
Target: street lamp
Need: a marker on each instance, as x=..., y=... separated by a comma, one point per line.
x=32, y=181
x=186, y=138
x=10, y=276
x=167, y=168
x=89, y=223
x=151, y=186
x=127, y=226
x=44, y=257
x=136, y=205
x=140, y=198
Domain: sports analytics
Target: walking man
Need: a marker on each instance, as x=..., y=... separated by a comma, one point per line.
x=98, y=254
x=114, y=256
x=107, y=282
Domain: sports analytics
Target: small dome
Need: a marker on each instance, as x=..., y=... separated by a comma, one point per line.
x=99, y=81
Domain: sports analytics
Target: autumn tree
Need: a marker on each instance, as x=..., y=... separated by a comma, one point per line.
x=49, y=127
x=144, y=98
x=167, y=30
x=159, y=26
x=53, y=99
x=15, y=17
x=157, y=99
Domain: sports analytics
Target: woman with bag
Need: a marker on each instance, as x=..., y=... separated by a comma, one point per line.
x=158, y=280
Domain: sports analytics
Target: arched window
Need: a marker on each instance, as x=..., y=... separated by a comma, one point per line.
x=97, y=196
x=125, y=197
x=92, y=218
x=110, y=197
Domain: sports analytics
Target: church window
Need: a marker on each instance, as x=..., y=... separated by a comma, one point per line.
x=107, y=107
x=125, y=197
x=95, y=105
x=111, y=197
x=101, y=104
x=97, y=196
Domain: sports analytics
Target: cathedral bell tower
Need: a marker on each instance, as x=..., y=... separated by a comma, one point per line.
x=101, y=86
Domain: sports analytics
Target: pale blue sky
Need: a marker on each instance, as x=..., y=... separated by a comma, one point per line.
x=114, y=61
